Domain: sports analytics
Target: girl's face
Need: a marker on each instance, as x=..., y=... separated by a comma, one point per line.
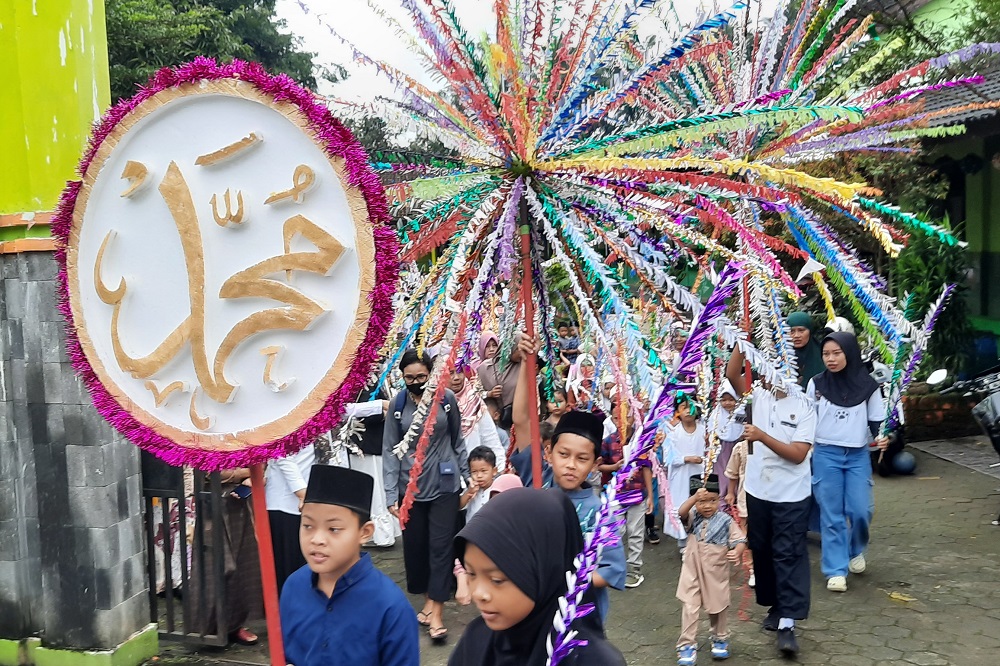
x=833, y=356
x=728, y=402
x=557, y=406
x=492, y=347
x=684, y=412
x=501, y=603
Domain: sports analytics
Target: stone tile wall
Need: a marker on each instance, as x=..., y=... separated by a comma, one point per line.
x=72, y=558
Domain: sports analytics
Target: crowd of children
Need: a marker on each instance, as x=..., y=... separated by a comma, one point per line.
x=714, y=494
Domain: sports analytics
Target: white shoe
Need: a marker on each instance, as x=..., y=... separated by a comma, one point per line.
x=752, y=581
x=857, y=564
x=836, y=584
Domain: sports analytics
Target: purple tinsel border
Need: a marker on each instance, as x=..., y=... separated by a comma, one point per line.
x=338, y=142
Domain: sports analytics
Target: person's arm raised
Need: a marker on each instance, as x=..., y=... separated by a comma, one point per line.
x=734, y=371
x=521, y=408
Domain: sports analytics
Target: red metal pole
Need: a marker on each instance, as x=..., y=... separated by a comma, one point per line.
x=532, y=360
x=268, y=579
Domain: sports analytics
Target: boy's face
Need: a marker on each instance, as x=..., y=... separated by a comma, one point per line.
x=331, y=537
x=572, y=459
x=708, y=505
x=494, y=414
x=563, y=331
x=482, y=472
x=572, y=331
x=728, y=402
x=501, y=603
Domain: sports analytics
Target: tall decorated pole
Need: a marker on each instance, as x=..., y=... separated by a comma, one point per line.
x=531, y=361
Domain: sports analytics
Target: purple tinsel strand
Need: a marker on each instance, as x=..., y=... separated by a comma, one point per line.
x=964, y=54
x=507, y=260
x=968, y=80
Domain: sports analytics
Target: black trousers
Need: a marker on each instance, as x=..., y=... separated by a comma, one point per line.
x=428, y=553
x=776, y=533
x=288, y=556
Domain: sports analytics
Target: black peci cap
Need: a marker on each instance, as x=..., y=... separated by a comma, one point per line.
x=586, y=425
x=711, y=484
x=341, y=486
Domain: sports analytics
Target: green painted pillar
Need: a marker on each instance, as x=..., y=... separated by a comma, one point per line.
x=73, y=587
x=53, y=87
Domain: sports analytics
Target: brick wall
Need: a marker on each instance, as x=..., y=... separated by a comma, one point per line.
x=72, y=559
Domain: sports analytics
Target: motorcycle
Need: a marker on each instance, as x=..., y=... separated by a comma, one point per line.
x=986, y=413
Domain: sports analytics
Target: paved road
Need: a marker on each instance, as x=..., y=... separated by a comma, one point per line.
x=931, y=596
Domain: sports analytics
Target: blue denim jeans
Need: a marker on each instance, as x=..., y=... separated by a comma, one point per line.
x=842, y=485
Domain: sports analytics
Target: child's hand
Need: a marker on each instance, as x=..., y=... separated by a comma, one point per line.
x=882, y=443
x=694, y=460
x=649, y=506
x=700, y=494
x=733, y=556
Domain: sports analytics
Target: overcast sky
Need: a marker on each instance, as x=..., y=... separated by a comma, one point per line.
x=359, y=23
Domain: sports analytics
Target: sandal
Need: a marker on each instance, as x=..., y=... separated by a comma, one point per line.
x=424, y=619
x=243, y=636
x=439, y=635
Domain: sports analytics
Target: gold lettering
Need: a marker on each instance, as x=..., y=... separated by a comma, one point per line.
x=302, y=180
x=160, y=397
x=223, y=221
x=252, y=282
x=232, y=150
x=272, y=356
x=200, y=422
x=135, y=173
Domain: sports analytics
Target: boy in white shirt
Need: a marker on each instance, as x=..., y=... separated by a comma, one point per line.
x=779, y=497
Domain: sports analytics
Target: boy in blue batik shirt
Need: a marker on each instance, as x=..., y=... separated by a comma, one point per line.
x=339, y=609
x=573, y=455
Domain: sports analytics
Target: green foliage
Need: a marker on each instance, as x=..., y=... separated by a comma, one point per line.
x=146, y=35
x=923, y=269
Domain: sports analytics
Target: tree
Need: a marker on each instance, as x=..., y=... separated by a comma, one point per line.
x=145, y=35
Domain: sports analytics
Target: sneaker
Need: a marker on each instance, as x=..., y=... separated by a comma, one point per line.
x=652, y=536
x=787, y=645
x=634, y=579
x=752, y=581
x=857, y=564
x=687, y=655
x=836, y=584
x=770, y=622
x=720, y=648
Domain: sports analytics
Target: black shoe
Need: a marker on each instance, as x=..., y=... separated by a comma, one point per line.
x=652, y=535
x=770, y=622
x=787, y=645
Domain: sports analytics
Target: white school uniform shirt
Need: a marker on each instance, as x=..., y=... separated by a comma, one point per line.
x=845, y=426
x=770, y=477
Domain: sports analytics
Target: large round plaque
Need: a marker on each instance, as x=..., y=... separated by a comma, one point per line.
x=227, y=267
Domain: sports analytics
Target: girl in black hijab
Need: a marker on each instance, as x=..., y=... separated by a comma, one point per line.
x=849, y=410
x=517, y=551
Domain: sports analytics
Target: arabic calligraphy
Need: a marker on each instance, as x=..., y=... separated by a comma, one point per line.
x=297, y=313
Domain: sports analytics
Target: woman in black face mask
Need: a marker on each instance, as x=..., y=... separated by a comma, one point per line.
x=433, y=517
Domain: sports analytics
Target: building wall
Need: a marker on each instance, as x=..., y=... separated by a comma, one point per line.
x=72, y=558
x=72, y=563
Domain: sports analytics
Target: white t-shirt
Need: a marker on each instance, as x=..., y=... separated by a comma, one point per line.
x=769, y=476
x=845, y=426
x=484, y=433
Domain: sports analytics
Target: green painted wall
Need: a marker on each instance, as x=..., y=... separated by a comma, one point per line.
x=948, y=13
x=54, y=85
